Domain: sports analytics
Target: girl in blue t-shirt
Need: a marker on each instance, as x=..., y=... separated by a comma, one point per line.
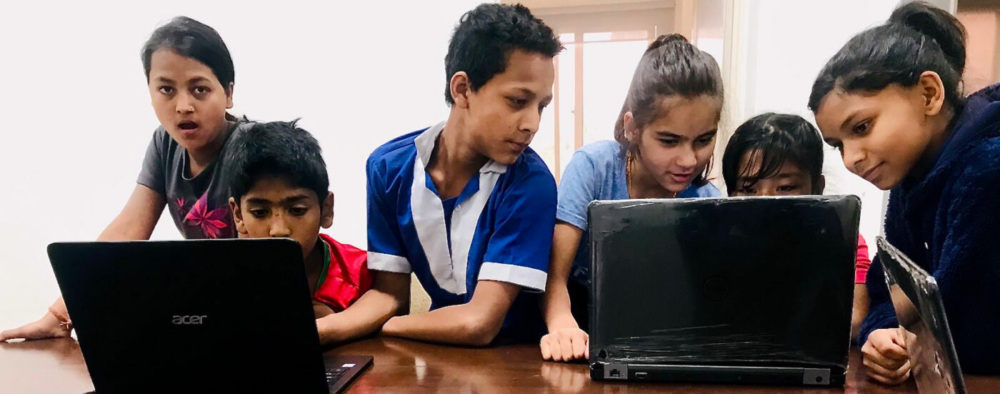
x=189, y=72
x=665, y=137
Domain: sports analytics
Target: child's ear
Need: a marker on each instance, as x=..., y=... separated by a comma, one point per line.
x=229, y=96
x=820, y=184
x=241, y=227
x=932, y=90
x=630, y=130
x=326, y=211
x=460, y=89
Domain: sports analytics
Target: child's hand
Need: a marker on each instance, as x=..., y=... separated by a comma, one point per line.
x=565, y=344
x=885, y=356
x=49, y=326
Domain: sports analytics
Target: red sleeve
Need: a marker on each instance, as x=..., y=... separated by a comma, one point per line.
x=347, y=277
x=862, y=262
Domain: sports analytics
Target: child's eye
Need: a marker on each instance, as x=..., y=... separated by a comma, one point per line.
x=861, y=128
x=166, y=89
x=748, y=190
x=705, y=140
x=259, y=213
x=787, y=188
x=518, y=102
x=201, y=90
x=298, y=211
x=669, y=142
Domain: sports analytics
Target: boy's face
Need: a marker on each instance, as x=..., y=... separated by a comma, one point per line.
x=790, y=180
x=503, y=115
x=274, y=208
x=188, y=99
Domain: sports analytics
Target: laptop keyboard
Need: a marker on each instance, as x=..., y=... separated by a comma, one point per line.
x=334, y=374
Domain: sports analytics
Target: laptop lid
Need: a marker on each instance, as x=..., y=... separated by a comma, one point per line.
x=920, y=312
x=192, y=316
x=723, y=282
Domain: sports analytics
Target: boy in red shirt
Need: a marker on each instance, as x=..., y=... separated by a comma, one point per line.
x=278, y=187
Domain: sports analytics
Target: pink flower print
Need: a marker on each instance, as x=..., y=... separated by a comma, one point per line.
x=180, y=205
x=211, y=223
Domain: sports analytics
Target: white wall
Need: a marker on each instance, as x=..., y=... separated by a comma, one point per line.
x=789, y=42
x=77, y=119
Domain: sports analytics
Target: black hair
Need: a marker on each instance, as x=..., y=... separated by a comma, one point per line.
x=275, y=150
x=486, y=36
x=916, y=38
x=671, y=66
x=190, y=38
x=772, y=139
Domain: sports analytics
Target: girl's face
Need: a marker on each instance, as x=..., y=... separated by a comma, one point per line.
x=883, y=135
x=188, y=100
x=789, y=180
x=675, y=147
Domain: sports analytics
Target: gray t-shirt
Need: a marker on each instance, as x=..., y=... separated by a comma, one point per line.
x=198, y=205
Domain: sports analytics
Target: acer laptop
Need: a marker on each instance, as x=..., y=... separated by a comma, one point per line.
x=920, y=312
x=197, y=316
x=734, y=290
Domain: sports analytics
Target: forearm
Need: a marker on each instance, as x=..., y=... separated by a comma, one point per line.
x=457, y=325
x=860, y=309
x=138, y=218
x=556, y=305
x=364, y=317
x=124, y=228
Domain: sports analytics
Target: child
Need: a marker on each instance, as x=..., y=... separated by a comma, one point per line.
x=465, y=204
x=665, y=139
x=190, y=77
x=782, y=155
x=891, y=101
x=278, y=187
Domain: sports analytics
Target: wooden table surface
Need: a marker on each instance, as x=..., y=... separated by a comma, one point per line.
x=56, y=366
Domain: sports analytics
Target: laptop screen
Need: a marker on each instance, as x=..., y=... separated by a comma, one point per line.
x=723, y=281
x=922, y=320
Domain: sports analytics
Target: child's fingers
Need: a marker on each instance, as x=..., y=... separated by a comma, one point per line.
x=871, y=354
x=23, y=332
x=892, y=377
x=579, y=345
x=546, y=349
x=875, y=369
x=566, y=346
x=891, y=350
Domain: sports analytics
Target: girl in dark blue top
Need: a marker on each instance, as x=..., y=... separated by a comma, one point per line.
x=891, y=101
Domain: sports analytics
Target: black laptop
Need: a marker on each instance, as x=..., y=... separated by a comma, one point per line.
x=920, y=311
x=735, y=290
x=197, y=316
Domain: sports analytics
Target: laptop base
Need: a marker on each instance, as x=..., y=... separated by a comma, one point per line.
x=784, y=376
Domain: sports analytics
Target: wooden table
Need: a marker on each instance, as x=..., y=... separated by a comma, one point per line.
x=56, y=366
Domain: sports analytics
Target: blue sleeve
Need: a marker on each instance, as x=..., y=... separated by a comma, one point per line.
x=967, y=270
x=968, y=273
x=709, y=190
x=577, y=188
x=386, y=251
x=880, y=311
x=519, y=248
